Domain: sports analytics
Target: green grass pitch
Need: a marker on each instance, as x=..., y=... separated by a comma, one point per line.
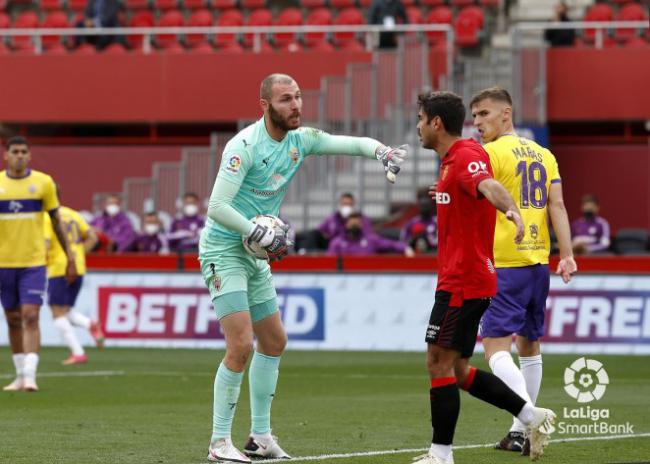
x=155, y=406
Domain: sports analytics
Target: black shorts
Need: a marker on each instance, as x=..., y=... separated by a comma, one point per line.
x=455, y=327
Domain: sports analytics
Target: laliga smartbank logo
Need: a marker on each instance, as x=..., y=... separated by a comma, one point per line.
x=586, y=381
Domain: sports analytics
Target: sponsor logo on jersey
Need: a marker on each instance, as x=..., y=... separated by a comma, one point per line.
x=234, y=163
x=477, y=166
x=15, y=206
x=443, y=198
x=534, y=231
x=294, y=155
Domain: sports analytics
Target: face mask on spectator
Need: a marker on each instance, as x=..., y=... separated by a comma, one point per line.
x=345, y=210
x=112, y=209
x=190, y=209
x=151, y=229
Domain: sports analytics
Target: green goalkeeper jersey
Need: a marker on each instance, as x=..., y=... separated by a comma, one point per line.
x=255, y=173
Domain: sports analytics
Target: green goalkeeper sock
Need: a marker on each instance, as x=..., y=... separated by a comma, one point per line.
x=262, y=379
x=226, y=393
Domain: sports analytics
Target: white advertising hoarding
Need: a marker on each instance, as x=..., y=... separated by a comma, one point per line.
x=604, y=314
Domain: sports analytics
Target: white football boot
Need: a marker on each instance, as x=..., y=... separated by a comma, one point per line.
x=30, y=385
x=224, y=451
x=539, y=431
x=16, y=385
x=266, y=448
x=430, y=458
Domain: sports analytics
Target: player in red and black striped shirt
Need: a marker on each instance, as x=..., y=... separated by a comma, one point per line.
x=466, y=195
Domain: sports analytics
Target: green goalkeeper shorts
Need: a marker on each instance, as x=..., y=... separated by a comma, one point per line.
x=237, y=281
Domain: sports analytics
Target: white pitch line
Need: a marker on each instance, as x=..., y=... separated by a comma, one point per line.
x=325, y=457
x=71, y=374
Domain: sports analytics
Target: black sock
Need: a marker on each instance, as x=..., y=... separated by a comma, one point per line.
x=491, y=389
x=445, y=408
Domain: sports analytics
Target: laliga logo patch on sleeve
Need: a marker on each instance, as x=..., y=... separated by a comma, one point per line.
x=234, y=163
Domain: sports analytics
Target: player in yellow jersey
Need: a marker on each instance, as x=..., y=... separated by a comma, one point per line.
x=530, y=173
x=62, y=295
x=25, y=198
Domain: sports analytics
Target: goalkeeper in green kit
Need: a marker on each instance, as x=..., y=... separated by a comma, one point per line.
x=256, y=168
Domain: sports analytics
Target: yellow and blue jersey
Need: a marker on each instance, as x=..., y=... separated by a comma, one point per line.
x=76, y=229
x=23, y=204
x=527, y=171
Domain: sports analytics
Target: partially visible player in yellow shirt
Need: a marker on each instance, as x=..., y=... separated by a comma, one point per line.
x=530, y=173
x=62, y=295
x=26, y=197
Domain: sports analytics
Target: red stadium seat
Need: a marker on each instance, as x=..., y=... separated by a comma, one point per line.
x=77, y=5
x=351, y=17
x=232, y=47
x=49, y=5
x=165, y=5
x=340, y=4
x=3, y=6
x=414, y=15
x=194, y=4
x=467, y=26
x=229, y=18
x=459, y=3
x=115, y=48
x=637, y=42
x=56, y=49
x=287, y=17
x=173, y=48
x=25, y=20
x=139, y=19
x=4, y=21
x=54, y=20
x=322, y=46
x=86, y=49
x=200, y=18
x=597, y=13
x=309, y=4
x=171, y=18
x=352, y=46
x=292, y=47
x=202, y=47
x=261, y=17
x=317, y=17
x=439, y=15
x=629, y=12
x=136, y=5
x=367, y=3
x=223, y=4
x=253, y=4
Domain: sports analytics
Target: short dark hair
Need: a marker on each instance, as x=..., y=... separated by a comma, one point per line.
x=493, y=93
x=354, y=215
x=16, y=140
x=191, y=195
x=266, y=88
x=347, y=195
x=152, y=213
x=590, y=198
x=447, y=106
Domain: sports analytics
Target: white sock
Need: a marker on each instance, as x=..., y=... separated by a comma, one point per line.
x=527, y=413
x=505, y=368
x=531, y=369
x=79, y=319
x=67, y=333
x=440, y=451
x=31, y=365
x=19, y=364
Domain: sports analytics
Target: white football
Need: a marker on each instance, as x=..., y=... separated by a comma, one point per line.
x=254, y=249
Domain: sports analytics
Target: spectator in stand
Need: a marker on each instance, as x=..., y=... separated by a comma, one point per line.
x=356, y=241
x=334, y=225
x=591, y=232
x=421, y=232
x=100, y=13
x=561, y=37
x=116, y=225
x=185, y=230
x=388, y=13
x=154, y=239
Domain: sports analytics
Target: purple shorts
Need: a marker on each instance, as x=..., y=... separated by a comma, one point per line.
x=520, y=304
x=61, y=293
x=22, y=285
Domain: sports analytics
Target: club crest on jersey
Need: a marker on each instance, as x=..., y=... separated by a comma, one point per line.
x=293, y=154
x=32, y=188
x=234, y=163
x=444, y=172
x=534, y=231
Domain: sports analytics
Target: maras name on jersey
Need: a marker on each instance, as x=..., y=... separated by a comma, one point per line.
x=527, y=152
x=268, y=193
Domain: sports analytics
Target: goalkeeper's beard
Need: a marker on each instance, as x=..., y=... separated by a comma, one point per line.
x=282, y=123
